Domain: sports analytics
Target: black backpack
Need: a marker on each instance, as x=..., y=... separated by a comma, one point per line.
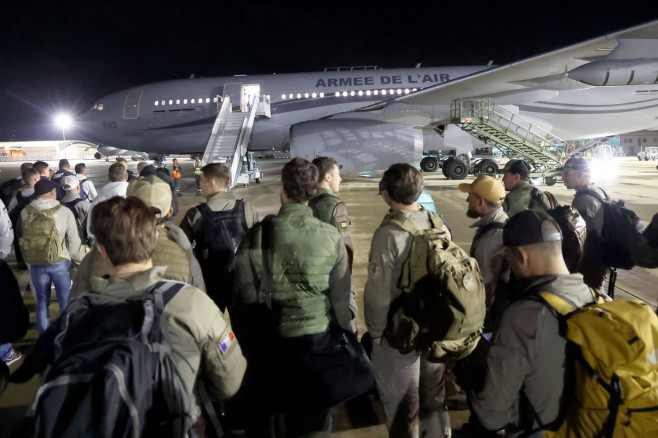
x=621, y=228
x=8, y=189
x=572, y=225
x=222, y=233
x=110, y=370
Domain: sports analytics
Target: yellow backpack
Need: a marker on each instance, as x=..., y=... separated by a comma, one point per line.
x=615, y=364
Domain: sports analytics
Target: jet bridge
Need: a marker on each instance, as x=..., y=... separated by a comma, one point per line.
x=230, y=136
x=513, y=135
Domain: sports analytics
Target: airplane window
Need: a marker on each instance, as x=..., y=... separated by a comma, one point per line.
x=177, y=101
x=376, y=92
x=290, y=96
x=337, y=94
x=399, y=91
x=299, y=95
x=201, y=100
x=406, y=91
x=367, y=92
x=414, y=89
x=214, y=99
x=163, y=102
x=360, y=93
x=321, y=94
x=383, y=92
x=352, y=93
x=207, y=100
x=306, y=95
x=390, y=92
x=283, y=96
x=171, y=102
x=192, y=101
x=344, y=93
x=157, y=103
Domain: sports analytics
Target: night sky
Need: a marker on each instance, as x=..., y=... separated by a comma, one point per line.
x=64, y=56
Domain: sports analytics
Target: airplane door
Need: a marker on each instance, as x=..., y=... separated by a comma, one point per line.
x=131, y=106
x=234, y=91
x=248, y=93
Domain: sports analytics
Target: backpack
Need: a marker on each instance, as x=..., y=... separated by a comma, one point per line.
x=82, y=224
x=111, y=372
x=613, y=352
x=8, y=189
x=40, y=241
x=621, y=228
x=21, y=203
x=442, y=306
x=222, y=233
x=572, y=225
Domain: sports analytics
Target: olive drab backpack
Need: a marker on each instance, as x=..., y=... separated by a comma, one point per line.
x=441, y=310
x=613, y=349
x=40, y=241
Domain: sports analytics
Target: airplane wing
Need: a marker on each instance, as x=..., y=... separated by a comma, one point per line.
x=540, y=77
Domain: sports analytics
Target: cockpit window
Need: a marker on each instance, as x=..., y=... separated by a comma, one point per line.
x=98, y=107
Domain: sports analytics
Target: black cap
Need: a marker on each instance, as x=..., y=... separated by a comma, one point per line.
x=577, y=163
x=529, y=227
x=519, y=167
x=44, y=186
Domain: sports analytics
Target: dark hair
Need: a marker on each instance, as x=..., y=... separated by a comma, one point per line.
x=300, y=179
x=218, y=172
x=121, y=160
x=26, y=166
x=125, y=227
x=324, y=165
x=40, y=166
x=64, y=163
x=117, y=172
x=80, y=167
x=28, y=173
x=403, y=183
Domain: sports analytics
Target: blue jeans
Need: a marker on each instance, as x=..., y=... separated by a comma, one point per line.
x=42, y=277
x=5, y=349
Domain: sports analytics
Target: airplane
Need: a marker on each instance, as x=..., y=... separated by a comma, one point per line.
x=370, y=118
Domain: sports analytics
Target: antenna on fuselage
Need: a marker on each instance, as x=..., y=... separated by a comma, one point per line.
x=192, y=76
x=419, y=64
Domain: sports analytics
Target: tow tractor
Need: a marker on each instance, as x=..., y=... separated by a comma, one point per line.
x=249, y=171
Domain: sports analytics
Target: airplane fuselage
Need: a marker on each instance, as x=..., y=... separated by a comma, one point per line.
x=177, y=116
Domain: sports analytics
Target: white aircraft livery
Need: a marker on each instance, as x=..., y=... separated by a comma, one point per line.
x=368, y=118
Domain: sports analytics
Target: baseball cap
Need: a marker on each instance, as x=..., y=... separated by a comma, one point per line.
x=486, y=186
x=519, y=167
x=576, y=163
x=44, y=186
x=529, y=227
x=69, y=182
x=153, y=191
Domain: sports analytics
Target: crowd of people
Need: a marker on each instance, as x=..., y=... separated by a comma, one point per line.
x=257, y=296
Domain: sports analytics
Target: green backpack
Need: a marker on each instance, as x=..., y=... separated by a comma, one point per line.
x=40, y=242
x=442, y=307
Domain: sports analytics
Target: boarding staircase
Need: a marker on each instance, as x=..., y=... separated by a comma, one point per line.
x=513, y=135
x=230, y=136
x=587, y=145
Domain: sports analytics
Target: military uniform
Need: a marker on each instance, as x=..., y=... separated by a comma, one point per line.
x=196, y=331
x=192, y=223
x=172, y=250
x=520, y=198
x=330, y=209
x=488, y=250
x=412, y=389
x=292, y=283
x=592, y=266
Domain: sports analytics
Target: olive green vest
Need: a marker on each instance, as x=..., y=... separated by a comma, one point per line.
x=323, y=205
x=303, y=253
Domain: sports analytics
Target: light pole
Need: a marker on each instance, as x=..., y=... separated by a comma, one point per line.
x=63, y=121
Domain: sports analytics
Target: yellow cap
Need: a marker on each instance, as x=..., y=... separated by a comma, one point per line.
x=487, y=187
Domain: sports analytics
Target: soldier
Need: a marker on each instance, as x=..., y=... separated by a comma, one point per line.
x=576, y=176
x=215, y=229
x=522, y=194
x=412, y=388
x=485, y=197
x=300, y=263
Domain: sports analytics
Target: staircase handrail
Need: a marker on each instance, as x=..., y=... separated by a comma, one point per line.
x=243, y=140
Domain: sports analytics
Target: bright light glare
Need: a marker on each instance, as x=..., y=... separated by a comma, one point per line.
x=603, y=169
x=63, y=121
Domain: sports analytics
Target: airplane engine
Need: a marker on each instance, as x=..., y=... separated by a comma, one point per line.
x=617, y=72
x=359, y=146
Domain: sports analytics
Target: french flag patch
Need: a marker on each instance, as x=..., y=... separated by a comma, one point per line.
x=227, y=341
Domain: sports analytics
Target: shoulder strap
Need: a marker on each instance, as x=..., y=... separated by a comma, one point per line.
x=594, y=194
x=401, y=220
x=266, y=246
x=552, y=200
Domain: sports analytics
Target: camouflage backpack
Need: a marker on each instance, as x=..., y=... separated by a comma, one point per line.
x=441, y=310
x=40, y=241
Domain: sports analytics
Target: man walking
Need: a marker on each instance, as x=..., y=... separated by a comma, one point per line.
x=522, y=194
x=412, y=388
x=485, y=197
x=49, y=240
x=216, y=228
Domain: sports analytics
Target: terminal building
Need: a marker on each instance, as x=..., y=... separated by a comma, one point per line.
x=47, y=150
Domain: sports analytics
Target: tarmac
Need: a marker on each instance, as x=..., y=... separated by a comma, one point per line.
x=623, y=178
